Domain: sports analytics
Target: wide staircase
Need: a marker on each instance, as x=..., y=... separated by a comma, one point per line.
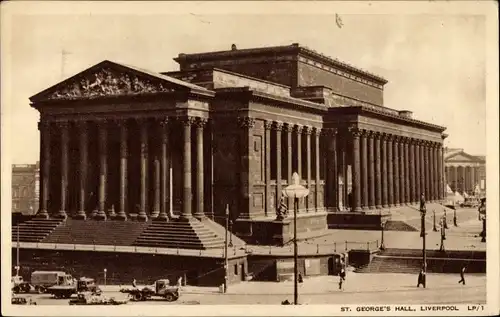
x=35, y=230
x=192, y=234
x=410, y=261
x=109, y=232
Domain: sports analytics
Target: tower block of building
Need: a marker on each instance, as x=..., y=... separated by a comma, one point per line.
x=174, y=149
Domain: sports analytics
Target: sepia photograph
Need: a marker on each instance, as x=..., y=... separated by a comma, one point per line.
x=311, y=157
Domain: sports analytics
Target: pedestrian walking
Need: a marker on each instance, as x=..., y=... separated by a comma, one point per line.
x=134, y=284
x=421, y=278
x=462, y=275
x=300, y=279
x=341, y=280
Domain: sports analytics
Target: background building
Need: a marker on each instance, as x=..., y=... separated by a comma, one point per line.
x=465, y=172
x=25, y=188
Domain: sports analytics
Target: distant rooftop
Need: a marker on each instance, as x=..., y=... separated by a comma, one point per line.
x=294, y=48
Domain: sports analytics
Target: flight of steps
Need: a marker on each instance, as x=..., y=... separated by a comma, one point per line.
x=410, y=261
x=192, y=234
x=35, y=230
x=98, y=232
x=398, y=225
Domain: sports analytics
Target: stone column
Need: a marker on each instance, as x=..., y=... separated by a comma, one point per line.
x=278, y=127
x=299, y=130
x=200, y=210
x=308, y=132
x=157, y=183
x=63, y=128
x=84, y=154
x=390, y=171
x=165, y=170
x=187, y=187
x=472, y=177
x=411, y=163
x=436, y=171
x=332, y=168
x=402, y=177
x=397, y=199
x=122, y=213
x=422, y=169
x=44, y=128
x=427, y=172
x=364, y=170
x=103, y=168
x=463, y=180
x=356, y=183
x=289, y=128
x=268, y=126
x=371, y=170
x=317, y=135
x=385, y=194
x=378, y=174
x=143, y=127
x=432, y=175
x=416, y=160
x=407, y=171
x=440, y=172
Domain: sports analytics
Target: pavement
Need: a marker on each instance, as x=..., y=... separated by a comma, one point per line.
x=382, y=288
x=464, y=236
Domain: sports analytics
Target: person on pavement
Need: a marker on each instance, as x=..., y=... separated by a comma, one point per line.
x=421, y=277
x=462, y=275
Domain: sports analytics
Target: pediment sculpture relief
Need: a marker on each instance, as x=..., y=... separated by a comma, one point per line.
x=108, y=82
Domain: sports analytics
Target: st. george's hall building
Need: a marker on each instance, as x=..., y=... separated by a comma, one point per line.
x=179, y=150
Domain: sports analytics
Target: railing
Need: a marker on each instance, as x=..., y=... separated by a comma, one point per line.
x=304, y=248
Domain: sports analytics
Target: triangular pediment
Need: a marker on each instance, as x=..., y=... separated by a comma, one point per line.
x=461, y=157
x=112, y=79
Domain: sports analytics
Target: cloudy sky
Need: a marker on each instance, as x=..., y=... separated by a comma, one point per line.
x=435, y=63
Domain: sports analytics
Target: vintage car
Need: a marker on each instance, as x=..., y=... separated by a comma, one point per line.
x=89, y=298
x=22, y=301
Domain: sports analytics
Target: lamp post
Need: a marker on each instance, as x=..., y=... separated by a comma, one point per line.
x=443, y=235
x=455, y=217
x=226, y=260
x=295, y=191
x=382, y=226
x=445, y=222
x=434, y=221
x=422, y=234
x=483, y=234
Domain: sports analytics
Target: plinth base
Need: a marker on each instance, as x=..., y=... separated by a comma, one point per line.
x=269, y=231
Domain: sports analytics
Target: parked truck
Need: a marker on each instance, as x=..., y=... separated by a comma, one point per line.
x=42, y=280
x=160, y=288
x=70, y=287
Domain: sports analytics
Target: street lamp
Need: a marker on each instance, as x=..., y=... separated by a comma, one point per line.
x=443, y=235
x=434, y=221
x=445, y=220
x=382, y=226
x=422, y=234
x=483, y=233
x=295, y=191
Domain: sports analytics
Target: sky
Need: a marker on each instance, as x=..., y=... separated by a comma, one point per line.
x=435, y=64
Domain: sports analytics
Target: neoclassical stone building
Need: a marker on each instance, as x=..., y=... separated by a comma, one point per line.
x=465, y=172
x=228, y=130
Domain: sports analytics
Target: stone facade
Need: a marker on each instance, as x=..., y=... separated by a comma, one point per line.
x=25, y=188
x=465, y=172
x=231, y=141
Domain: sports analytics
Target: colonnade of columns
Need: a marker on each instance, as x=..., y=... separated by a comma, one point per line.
x=462, y=178
x=294, y=161
x=159, y=130
x=390, y=170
